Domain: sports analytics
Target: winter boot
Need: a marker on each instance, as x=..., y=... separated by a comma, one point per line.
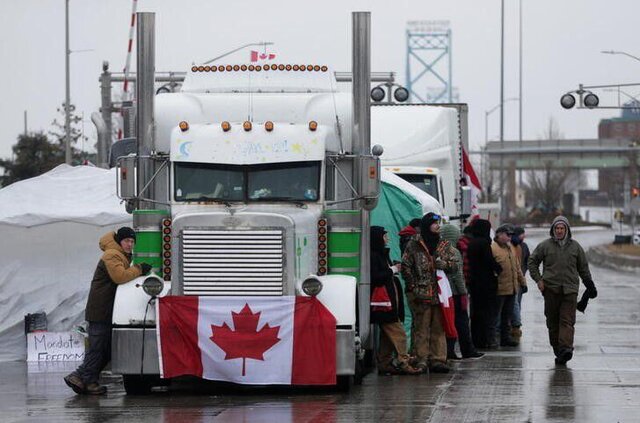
x=74, y=382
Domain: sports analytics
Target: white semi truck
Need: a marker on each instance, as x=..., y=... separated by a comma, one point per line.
x=252, y=180
x=423, y=144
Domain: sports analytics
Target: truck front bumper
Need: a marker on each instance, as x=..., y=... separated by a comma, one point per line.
x=127, y=352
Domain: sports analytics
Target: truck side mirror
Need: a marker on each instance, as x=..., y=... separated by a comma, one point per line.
x=126, y=177
x=369, y=181
x=465, y=206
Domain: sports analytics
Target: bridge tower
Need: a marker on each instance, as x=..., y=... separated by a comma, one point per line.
x=429, y=68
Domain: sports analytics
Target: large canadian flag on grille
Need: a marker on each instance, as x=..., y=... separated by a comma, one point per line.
x=252, y=340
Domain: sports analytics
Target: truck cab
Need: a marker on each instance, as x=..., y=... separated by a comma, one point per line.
x=426, y=179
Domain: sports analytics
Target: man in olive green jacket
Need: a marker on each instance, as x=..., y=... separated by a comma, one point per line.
x=564, y=264
x=114, y=268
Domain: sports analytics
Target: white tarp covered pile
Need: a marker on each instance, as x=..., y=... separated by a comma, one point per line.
x=50, y=226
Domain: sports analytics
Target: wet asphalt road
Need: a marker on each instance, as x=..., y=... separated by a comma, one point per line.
x=522, y=384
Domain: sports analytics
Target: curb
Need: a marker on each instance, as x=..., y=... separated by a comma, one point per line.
x=603, y=257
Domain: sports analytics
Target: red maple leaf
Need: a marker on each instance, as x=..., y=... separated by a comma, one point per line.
x=245, y=341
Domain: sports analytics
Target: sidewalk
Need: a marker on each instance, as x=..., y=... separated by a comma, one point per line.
x=614, y=257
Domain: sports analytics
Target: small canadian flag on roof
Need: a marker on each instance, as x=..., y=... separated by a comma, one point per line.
x=256, y=56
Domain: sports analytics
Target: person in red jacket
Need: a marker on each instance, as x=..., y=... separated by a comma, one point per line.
x=406, y=233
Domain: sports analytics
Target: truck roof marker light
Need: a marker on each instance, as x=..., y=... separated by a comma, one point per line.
x=226, y=126
x=167, y=254
x=281, y=67
x=303, y=68
x=166, y=222
x=221, y=68
x=194, y=69
x=313, y=125
x=268, y=126
x=258, y=68
x=309, y=68
x=322, y=222
x=167, y=277
x=274, y=67
x=288, y=67
x=207, y=68
x=322, y=254
x=324, y=68
x=266, y=68
x=184, y=126
x=252, y=68
x=246, y=125
x=200, y=68
x=236, y=68
x=296, y=68
x=243, y=68
x=229, y=68
x=316, y=68
x=214, y=69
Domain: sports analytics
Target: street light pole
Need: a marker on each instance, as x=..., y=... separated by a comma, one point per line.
x=67, y=101
x=520, y=86
x=487, y=113
x=624, y=53
x=502, y=208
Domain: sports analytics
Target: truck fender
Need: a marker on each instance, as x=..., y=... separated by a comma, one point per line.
x=338, y=295
x=131, y=302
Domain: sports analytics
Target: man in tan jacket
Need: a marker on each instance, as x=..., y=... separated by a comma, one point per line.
x=114, y=268
x=510, y=281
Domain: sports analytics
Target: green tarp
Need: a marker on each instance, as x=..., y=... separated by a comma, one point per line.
x=394, y=211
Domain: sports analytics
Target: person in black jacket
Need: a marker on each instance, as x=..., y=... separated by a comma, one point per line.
x=387, y=307
x=483, y=284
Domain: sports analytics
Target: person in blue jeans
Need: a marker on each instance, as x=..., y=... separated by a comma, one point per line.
x=522, y=249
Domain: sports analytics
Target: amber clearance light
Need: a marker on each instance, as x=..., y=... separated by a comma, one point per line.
x=268, y=126
x=313, y=125
x=246, y=126
x=226, y=126
x=184, y=126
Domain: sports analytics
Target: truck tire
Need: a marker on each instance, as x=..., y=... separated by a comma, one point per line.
x=344, y=383
x=139, y=385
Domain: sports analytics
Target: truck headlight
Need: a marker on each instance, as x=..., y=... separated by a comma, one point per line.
x=312, y=286
x=152, y=286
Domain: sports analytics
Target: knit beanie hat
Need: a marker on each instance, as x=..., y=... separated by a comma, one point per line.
x=124, y=233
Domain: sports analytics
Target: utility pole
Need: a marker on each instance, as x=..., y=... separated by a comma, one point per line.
x=67, y=102
x=503, y=204
x=520, y=90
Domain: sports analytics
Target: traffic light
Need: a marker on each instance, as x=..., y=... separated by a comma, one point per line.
x=635, y=192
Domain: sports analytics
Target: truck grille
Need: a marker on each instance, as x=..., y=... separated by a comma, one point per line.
x=232, y=262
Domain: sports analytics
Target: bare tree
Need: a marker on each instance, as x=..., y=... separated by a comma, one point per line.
x=546, y=187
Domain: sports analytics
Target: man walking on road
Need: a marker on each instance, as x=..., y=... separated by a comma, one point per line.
x=564, y=263
x=113, y=269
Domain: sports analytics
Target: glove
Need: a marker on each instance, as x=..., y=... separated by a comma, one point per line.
x=145, y=268
x=524, y=289
x=592, y=292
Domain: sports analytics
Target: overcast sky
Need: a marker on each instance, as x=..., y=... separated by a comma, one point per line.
x=562, y=44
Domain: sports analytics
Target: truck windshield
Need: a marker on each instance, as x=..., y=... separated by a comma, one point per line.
x=295, y=181
x=426, y=183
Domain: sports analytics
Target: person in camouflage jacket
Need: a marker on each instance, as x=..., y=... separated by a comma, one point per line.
x=425, y=253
